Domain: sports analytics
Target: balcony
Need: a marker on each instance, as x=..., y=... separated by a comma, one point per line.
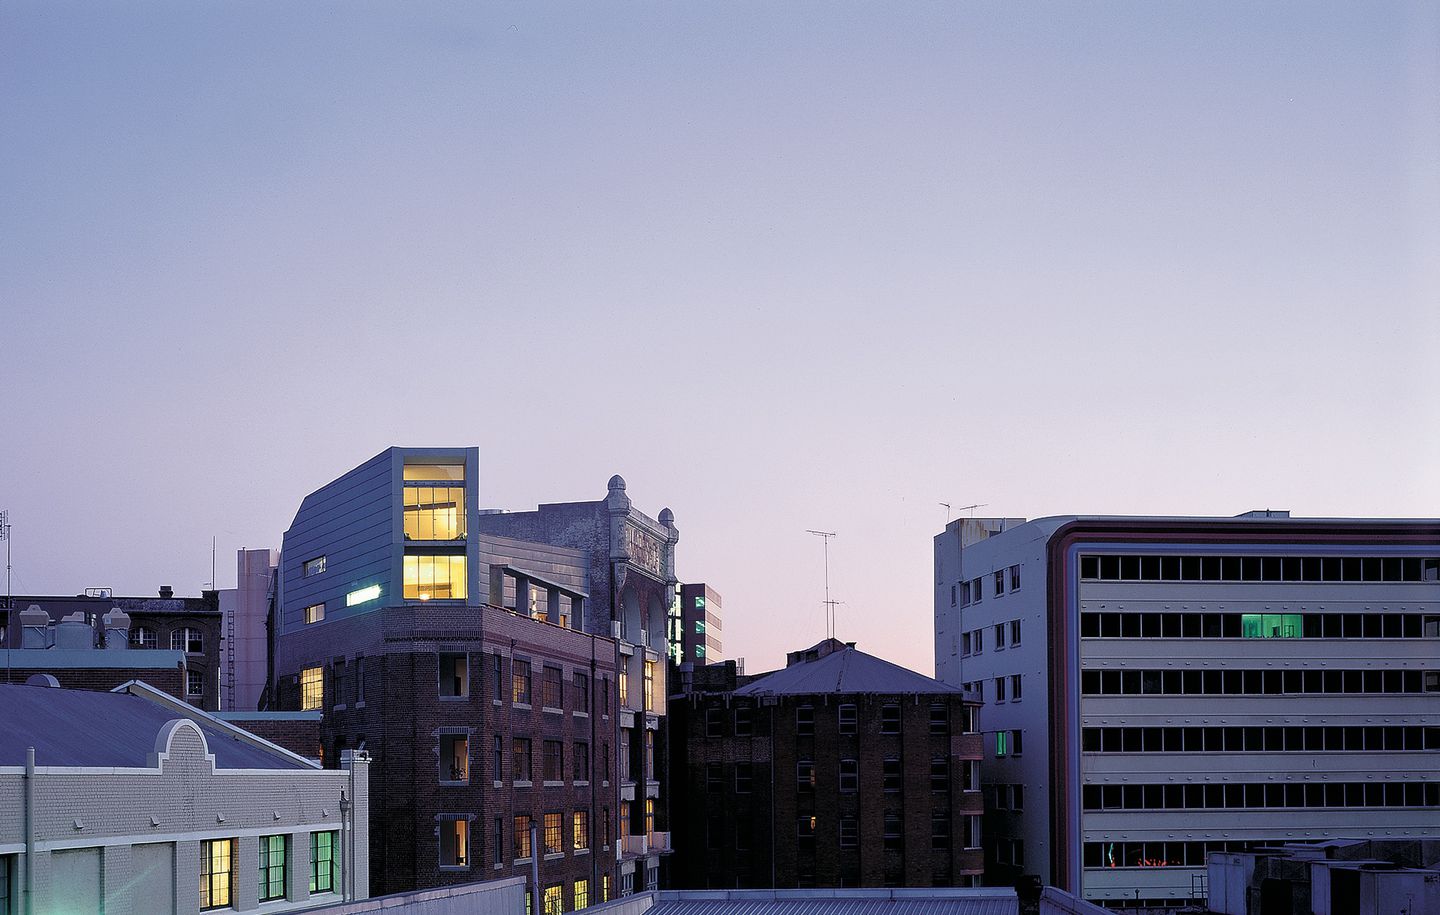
x=660, y=841
x=636, y=845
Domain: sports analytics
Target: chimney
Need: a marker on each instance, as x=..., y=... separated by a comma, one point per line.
x=167, y=592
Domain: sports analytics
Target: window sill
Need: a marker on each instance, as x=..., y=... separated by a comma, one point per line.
x=499, y=784
x=552, y=711
x=523, y=783
x=581, y=851
x=449, y=783
x=338, y=707
x=464, y=698
x=581, y=783
x=524, y=705
x=548, y=783
x=445, y=869
x=554, y=856
x=520, y=861
x=581, y=714
x=496, y=702
x=359, y=705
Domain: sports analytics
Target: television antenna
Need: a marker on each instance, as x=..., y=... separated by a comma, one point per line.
x=829, y=604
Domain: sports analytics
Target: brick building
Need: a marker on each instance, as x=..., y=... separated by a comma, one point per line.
x=190, y=626
x=457, y=658
x=842, y=769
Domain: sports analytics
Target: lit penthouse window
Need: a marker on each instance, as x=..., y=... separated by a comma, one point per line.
x=434, y=512
x=434, y=577
x=434, y=472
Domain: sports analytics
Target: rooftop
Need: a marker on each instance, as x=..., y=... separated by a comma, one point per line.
x=73, y=728
x=843, y=669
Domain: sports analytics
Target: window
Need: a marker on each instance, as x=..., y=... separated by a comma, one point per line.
x=714, y=777
x=314, y=613
x=649, y=815
x=1015, y=630
x=582, y=692
x=194, y=683
x=847, y=719
x=1014, y=687
x=1270, y=625
x=552, y=689
x=890, y=719
x=498, y=855
x=497, y=677
x=952, y=595
x=322, y=861
x=313, y=567
x=523, y=759
x=999, y=689
x=805, y=775
x=580, y=754
x=580, y=836
x=553, y=761
x=442, y=472
x=312, y=688
x=434, y=512
x=972, y=775
x=744, y=726
x=712, y=722
x=454, y=758
x=940, y=720
x=649, y=686
x=849, y=832
x=1014, y=578
x=977, y=641
x=1001, y=744
x=522, y=837
x=217, y=873
x=272, y=867
x=361, y=595
x=804, y=720
x=1016, y=742
x=520, y=682
x=187, y=640
x=891, y=774
x=554, y=834
x=999, y=635
x=849, y=776
x=143, y=637
x=582, y=894
x=454, y=676
x=744, y=777
x=454, y=841
x=552, y=901
x=434, y=577
x=965, y=643
x=893, y=836
x=940, y=773
x=1000, y=583
x=498, y=761
x=939, y=829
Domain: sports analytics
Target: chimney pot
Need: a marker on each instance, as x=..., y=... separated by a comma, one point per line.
x=167, y=592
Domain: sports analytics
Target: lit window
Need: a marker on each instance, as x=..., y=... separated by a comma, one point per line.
x=312, y=688
x=454, y=841
x=314, y=566
x=454, y=675
x=435, y=577
x=314, y=613
x=194, y=683
x=522, y=837
x=272, y=867
x=554, y=827
x=143, y=637
x=187, y=640
x=362, y=595
x=581, y=836
x=582, y=894
x=437, y=472
x=455, y=758
x=520, y=682
x=434, y=512
x=554, y=899
x=217, y=872
x=649, y=686
x=1000, y=743
x=322, y=861
x=1270, y=625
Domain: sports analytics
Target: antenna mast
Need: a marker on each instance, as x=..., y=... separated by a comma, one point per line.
x=829, y=604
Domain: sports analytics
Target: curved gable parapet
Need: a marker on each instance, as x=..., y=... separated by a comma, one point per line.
x=180, y=742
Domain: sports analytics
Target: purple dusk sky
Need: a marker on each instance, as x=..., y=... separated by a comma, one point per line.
x=781, y=265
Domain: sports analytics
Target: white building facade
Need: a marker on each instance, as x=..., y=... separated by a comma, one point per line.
x=1157, y=689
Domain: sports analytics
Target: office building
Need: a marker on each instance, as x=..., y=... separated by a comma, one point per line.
x=695, y=625
x=428, y=638
x=133, y=802
x=1160, y=689
x=840, y=770
x=1340, y=877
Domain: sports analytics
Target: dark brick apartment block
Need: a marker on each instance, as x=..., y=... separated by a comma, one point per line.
x=839, y=770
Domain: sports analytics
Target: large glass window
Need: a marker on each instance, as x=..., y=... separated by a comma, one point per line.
x=217, y=872
x=187, y=640
x=312, y=688
x=143, y=637
x=454, y=841
x=429, y=472
x=322, y=861
x=434, y=512
x=554, y=826
x=581, y=832
x=1270, y=625
x=314, y=613
x=272, y=867
x=434, y=577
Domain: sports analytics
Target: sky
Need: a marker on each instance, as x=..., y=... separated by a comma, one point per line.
x=783, y=266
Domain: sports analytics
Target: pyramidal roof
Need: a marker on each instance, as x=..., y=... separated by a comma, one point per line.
x=844, y=670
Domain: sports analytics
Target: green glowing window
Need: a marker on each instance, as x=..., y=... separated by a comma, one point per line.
x=699, y=627
x=700, y=603
x=1270, y=625
x=999, y=743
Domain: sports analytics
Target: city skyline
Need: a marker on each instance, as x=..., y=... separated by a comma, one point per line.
x=781, y=268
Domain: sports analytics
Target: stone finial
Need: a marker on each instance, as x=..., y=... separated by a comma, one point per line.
x=667, y=517
x=617, y=483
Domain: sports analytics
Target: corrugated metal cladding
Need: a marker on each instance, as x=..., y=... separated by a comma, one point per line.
x=846, y=671
x=813, y=906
